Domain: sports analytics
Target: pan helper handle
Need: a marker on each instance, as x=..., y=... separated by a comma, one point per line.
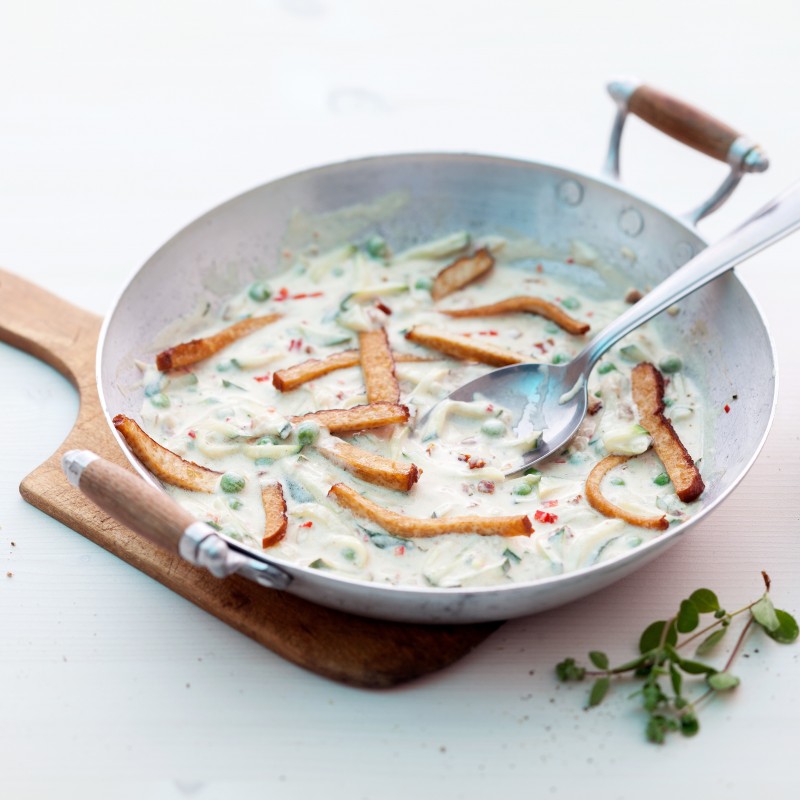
x=154, y=515
x=690, y=126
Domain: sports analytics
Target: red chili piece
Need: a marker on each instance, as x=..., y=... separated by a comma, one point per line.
x=727, y=409
x=487, y=487
x=307, y=524
x=262, y=378
x=544, y=516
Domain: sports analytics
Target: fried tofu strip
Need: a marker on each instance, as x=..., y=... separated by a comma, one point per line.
x=357, y=418
x=182, y=355
x=598, y=501
x=459, y=346
x=164, y=464
x=647, y=385
x=284, y=380
x=370, y=467
x=415, y=528
x=275, y=512
x=461, y=272
x=377, y=365
x=528, y=305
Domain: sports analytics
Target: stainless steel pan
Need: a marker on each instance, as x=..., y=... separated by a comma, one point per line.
x=411, y=198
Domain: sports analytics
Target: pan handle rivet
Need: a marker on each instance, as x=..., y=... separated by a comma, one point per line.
x=631, y=222
x=570, y=192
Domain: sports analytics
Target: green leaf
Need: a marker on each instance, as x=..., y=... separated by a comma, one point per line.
x=688, y=617
x=787, y=629
x=657, y=728
x=629, y=665
x=651, y=638
x=600, y=660
x=696, y=667
x=764, y=614
x=689, y=725
x=676, y=678
x=599, y=690
x=710, y=642
x=652, y=696
x=722, y=681
x=705, y=600
x=568, y=670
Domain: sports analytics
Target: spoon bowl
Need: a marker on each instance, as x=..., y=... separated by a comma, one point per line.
x=553, y=398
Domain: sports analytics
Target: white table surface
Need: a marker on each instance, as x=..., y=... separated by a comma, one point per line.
x=121, y=122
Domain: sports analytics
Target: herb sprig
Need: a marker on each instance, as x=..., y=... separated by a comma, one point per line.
x=662, y=666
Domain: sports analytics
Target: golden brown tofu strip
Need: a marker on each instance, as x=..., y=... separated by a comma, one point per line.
x=461, y=272
x=415, y=528
x=528, y=305
x=397, y=475
x=377, y=365
x=164, y=464
x=284, y=380
x=357, y=418
x=275, y=513
x=182, y=355
x=598, y=501
x=647, y=386
x=459, y=346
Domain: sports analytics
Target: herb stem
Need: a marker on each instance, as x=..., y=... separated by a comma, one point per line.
x=714, y=625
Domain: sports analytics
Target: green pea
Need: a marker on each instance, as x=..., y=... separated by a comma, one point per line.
x=493, y=427
x=661, y=480
x=259, y=291
x=559, y=358
x=572, y=303
x=234, y=503
x=231, y=483
x=423, y=283
x=307, y=433
x=376, y=247
x=153, y=388
x=522, y=488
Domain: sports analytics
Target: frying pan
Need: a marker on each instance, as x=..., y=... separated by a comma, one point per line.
x=719, y=331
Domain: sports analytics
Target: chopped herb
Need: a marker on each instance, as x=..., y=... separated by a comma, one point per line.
x=661, y=480
x=670, y=365
x=160, y=400
x=604, y=369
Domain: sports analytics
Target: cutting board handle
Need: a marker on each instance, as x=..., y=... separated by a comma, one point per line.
x=49, y=328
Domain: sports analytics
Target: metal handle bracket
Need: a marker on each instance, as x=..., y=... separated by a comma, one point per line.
x=743, y=155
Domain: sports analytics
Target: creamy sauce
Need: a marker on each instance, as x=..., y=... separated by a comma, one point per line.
x=224, y=413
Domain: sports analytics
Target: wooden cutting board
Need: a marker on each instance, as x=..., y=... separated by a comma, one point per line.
x=346, y=648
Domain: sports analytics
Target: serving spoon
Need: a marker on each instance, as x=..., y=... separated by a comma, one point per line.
x=553, y=398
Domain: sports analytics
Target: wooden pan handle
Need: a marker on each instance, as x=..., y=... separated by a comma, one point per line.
x=128, y=499
x=683, y=122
